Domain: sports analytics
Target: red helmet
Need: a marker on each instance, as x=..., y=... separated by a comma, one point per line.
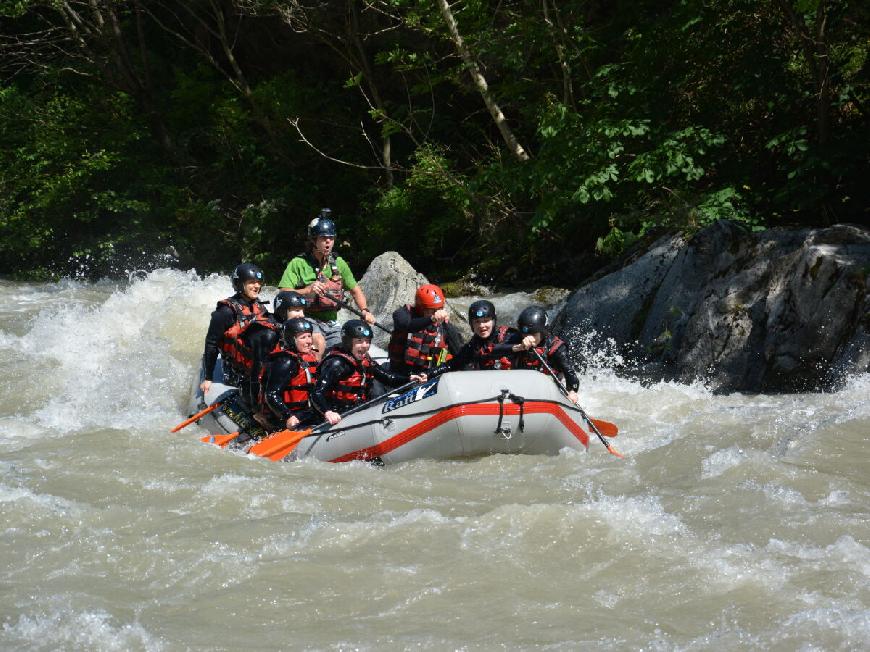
x=429, y=296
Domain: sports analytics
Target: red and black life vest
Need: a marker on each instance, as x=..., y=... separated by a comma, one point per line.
x=547, y=347
x=483, y=355
x=418, y=350
x=233, y=349
x=296, y=393
x=330, y=276
x=355, y=388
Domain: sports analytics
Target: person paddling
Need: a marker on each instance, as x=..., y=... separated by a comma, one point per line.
x=346, y=374
x=422, y=336
x=322, y=277
x=289, y=376
x=490, y=347
x=243, y=332
x=533, y=326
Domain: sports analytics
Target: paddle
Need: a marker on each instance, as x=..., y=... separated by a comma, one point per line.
x=219, y=440
x=280, y=444
x=607, y=428
x=583, y=414
x=196, y=417
x=360, y=314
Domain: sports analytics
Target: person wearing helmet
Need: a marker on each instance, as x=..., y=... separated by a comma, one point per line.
x=422, y=336
x=289, y=305
x=490, y=346
x=346, y=374
x=242, y=331
x=288, y=377
x=533, y=326
x=322, y=278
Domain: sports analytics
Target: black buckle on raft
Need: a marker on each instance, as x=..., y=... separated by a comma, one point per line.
x=519, y=400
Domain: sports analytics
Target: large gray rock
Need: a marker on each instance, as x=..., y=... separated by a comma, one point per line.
x=779, y=310
x=391, y=282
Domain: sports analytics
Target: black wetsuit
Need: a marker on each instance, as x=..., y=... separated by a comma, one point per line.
x=277, y=376
x=259, y=339
x=472, y=352
x=335, y=369
x=404, y=320
x=558, y=360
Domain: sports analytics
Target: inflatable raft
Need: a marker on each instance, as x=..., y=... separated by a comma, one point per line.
x=457, y=415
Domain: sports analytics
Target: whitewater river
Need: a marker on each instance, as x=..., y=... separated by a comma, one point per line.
x=734, y=522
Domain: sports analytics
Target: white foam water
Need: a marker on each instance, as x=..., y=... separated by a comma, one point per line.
x=734, y=522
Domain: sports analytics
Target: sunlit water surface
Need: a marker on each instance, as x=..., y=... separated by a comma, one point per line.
x=735, y=522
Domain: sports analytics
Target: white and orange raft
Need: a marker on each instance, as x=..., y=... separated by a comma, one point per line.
x=457, y=415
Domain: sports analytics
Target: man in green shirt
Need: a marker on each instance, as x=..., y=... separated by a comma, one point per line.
x=322, y=277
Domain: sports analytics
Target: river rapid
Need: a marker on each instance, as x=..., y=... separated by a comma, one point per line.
x=734, y=522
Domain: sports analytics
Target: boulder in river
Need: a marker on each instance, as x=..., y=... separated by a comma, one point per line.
x=391, y=282
x=775, y=311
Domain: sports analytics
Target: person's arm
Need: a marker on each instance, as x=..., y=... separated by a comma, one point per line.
x=505, y=349
x=221, y=319
x=559, y=361
x=329, y=373
x=453, y=338
x=350, y=284
x=392, y=378
x=299, y=276
x=458, y=362
x=281, y=371
x=360, y=298
x=290, y=278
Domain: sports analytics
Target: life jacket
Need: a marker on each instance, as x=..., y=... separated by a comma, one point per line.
x=355, y=388
x=418, y=350
x=547, y=347
x=484, y=358
x=233, y=348
x=330, y=276
x=295, y=394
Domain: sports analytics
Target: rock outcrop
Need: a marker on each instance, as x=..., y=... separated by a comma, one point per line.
x=778, y=310
x=391, y=282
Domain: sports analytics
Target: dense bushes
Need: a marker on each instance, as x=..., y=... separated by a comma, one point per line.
x=220, y=128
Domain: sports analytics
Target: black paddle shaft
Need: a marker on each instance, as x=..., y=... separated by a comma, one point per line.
x=565, y=392
x=359, y=313
x=361, y=406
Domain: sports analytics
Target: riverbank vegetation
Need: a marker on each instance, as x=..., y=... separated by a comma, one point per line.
x=515, y=140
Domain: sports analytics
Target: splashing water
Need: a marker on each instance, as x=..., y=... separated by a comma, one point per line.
x=734, y=522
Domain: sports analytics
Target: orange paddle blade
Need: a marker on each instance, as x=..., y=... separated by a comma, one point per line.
x=219, y=440
x=606, y=428
x=615, y=452
x=279, y=445
x=196, y=417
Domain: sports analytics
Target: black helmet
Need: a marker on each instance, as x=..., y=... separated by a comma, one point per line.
x=479, y=309
x=288, y=300
x=533, y=320
x=322, y=225
x=246, y=272
x=293, y=327
x=354, y=328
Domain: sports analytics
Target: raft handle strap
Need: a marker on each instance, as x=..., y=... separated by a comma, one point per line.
x=519, y=400
x=498, y=429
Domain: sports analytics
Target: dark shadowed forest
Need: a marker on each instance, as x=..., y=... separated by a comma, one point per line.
x=519, y=141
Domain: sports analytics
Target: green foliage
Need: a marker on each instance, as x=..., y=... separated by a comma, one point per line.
x=671, y=114
x=615, y=242
x=62, y=193
x=427, y=216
